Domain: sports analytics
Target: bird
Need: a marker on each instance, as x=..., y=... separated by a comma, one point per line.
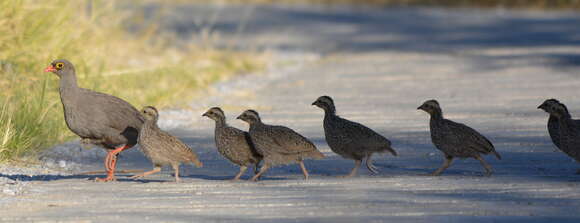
x=456, y=139
x=278, y=145
x=349, y=139
x=97, y=118
x=566, y=129
x=161, y=147
x=232, y=143
x=553, y=125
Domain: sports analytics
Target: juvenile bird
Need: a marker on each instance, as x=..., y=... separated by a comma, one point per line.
x=100, y=119
x=232, y=143
x=553, y=123
x=456, y=139
x=161, y=147
x=349, y=139
x=568, y=129
x=278, y=144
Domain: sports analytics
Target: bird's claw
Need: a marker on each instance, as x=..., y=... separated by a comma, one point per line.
x=106, y=179
x=136, y=176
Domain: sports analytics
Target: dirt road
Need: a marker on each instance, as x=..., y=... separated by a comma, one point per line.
x=488, y=69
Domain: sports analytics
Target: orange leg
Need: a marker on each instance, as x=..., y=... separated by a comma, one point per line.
x=154, y=170
x=111, y=163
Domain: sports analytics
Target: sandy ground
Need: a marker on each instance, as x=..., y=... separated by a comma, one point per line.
x=488, y=69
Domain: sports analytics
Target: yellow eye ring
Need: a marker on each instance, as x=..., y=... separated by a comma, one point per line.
x=59, y=65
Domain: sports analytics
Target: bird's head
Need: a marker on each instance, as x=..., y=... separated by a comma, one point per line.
x=430, y=106
x=215, y=113
x=60, y=67
x=250, y=116
x=150, y=113
x=324, y=102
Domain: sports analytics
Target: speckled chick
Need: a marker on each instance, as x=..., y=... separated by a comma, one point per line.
x=232, y=143
x=161, y=147
x=553, y=123
x=568, y=129
x=349, y=139
x=278, y=145
x=456, y=139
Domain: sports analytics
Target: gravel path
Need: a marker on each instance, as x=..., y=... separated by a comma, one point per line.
x=488, y=69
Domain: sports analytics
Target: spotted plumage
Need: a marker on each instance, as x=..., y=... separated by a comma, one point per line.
x=232, y=143
x=456, y=139
x=553, y=123
x=161, y=147
x=349, y=139
x=568, y=129
x=278, y=145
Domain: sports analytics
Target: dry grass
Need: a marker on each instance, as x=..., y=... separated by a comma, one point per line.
x=142, y=68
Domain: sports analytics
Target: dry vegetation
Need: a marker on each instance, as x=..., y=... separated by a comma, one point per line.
x=143, y=68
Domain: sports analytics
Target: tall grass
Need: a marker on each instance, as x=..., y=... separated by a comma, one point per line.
x=141, y=68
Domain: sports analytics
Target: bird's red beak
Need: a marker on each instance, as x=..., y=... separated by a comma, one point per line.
x=49, y=69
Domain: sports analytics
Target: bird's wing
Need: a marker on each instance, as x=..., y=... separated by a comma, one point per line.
x=361, y=134
x=177, y=146
x=468, y=135
x=112, y=111
x=287, y=141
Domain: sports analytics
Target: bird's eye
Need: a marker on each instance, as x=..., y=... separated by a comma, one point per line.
x=59, y=65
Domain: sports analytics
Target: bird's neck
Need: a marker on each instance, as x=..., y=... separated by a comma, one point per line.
x=68, y=82
x=150, y=123
x=437, y=116
x=565, y=121
x=220, y=123
x=256, y=124
x=330, y=111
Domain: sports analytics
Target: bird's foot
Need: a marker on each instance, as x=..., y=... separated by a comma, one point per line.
x=430, y=174
x=106, y=179
x=137, y=176
x=373, y=168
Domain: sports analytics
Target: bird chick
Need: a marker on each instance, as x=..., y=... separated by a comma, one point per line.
x=278, y=145
x=349, y=139
x=161, y=147
x=456, y=139
x=232, y=143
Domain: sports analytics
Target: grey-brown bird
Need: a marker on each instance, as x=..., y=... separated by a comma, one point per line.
x=232, y=143
x=278, y=145
x=568, y=129
x=456, y=139
x=349, y=139
x=161, y=147
x=100, y=119
x=553, y=123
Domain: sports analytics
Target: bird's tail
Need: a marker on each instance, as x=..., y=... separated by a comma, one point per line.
x=193, y=159
x=390, y=150
x=496, y=154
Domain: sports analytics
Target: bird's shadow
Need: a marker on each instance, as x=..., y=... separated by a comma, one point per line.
x=229, y=177
x=46, y=178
